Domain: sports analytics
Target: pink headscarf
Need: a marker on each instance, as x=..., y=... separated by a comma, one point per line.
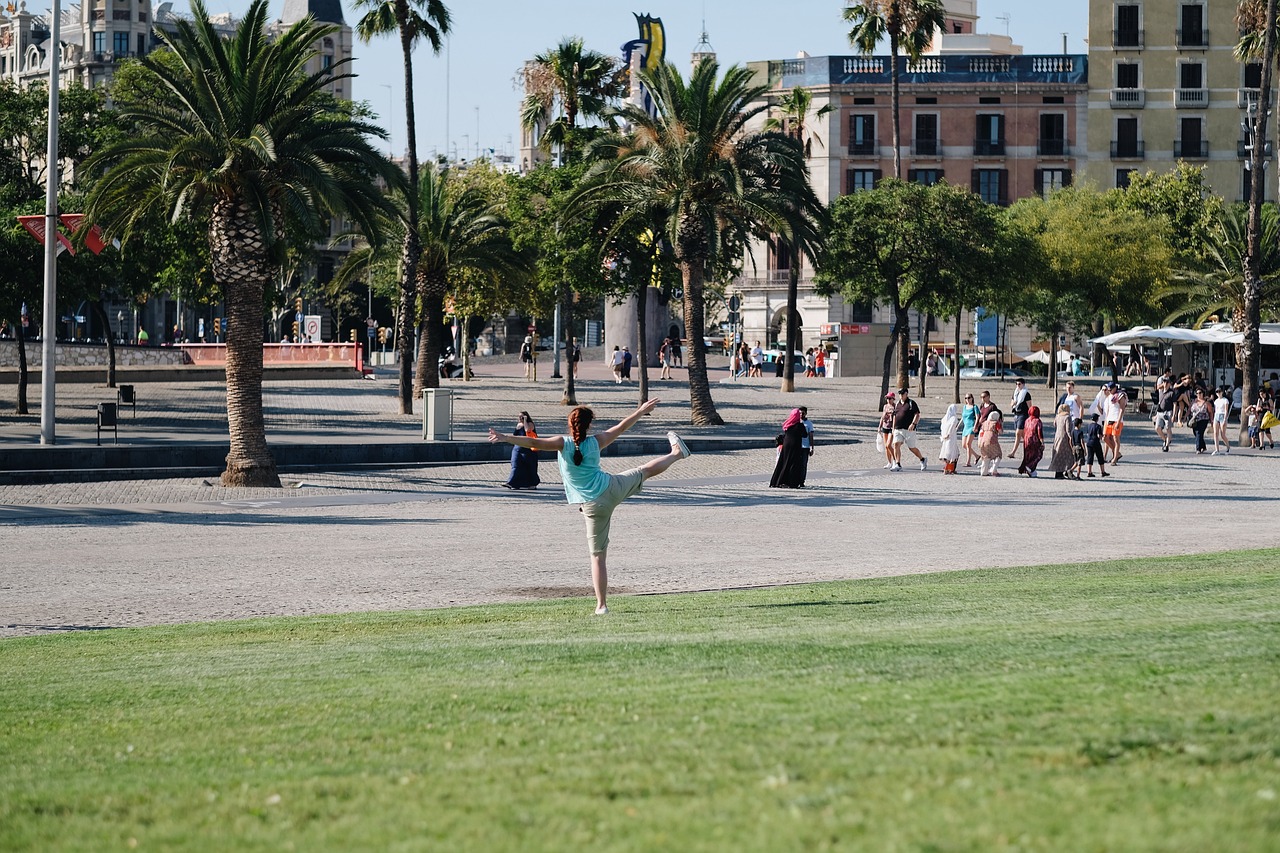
x=794, y=418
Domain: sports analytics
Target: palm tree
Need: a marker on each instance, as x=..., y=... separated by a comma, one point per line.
x=461, y=231
x=795, y=107
x=412, y=21
x=237, y=131
x=909, y=25
x=1255, y=17
x=708, y=181
x=1220, y=288
x=564, y=83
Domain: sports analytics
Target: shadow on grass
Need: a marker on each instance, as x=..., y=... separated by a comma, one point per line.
x=867, y=603
x=57, y=628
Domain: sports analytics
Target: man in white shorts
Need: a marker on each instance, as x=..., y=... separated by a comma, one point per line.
x=906, y=416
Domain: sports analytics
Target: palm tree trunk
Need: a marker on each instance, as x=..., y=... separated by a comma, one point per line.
x=702, y=409
x=412, y=244
x=895, y=99
x=428, y=375
x=466, y=348
x=793, y=296
x=1248, y=350
x=243, y=269
x=642, y=337
x=570, y=397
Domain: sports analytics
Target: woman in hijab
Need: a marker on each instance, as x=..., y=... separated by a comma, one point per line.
x=1032, y=442
x=989, y=445
x=952, y=425
x=1064, y=457
x=793, y=461
x=524, y=460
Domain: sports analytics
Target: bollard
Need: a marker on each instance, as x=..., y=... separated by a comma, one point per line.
x=437, y=414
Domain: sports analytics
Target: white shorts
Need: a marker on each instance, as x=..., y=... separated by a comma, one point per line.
x=1162, y=420
x=905, y=436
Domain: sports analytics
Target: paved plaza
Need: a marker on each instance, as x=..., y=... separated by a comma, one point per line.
x=145, y=552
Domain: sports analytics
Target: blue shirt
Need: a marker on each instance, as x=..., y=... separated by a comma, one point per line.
x=585, y=482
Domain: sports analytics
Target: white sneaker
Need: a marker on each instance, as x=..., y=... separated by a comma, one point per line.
x=1214, y=453
x=888, y=466
x=602, y=610
x=897, y=466
x=924, y=465
x=678, y=445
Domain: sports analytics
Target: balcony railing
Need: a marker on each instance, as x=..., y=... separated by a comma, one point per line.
x=1128, y=99
x=1247, y=97
x=1196, y=149
x=1128, y=38
x=926, y=148
x=1198, y=38
x=1128, y=150
x=1191, y=98
x=988, y=148
x=864, y=148
x=1243, y=152
x=1053, y=148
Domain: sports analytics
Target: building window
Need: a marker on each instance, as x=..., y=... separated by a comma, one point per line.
x=1191, y=75
x=862, y=135
x=925, y=139
x=862, y=179
x=120, y=44
x=99, y=42
x=1192, y=145
x=1122, y=178
x=1128, y=27
x=142, y=44
x=326, y=62
x=989, y=140
x=1053, y=135
x=992, y=185
x=1127, y=75
x=1049, y=180
x=1253, y=75
x=928, y=177
x=1192, y=33
x=1126, y=144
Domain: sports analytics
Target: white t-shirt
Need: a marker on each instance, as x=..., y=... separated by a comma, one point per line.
x=1114, y=407
x=617, y=358
x=1221, y=406
x=757, y=355
x=1073, y=403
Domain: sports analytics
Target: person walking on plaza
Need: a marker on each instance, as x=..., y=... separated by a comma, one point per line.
x=820, y=362
x=664, y=356
x=526, y=355
x=576, y=355
x=1020, y=405
x=1064, y=455
x=906, y=417
x=1200, y=417
x=524, y=462
x=793, y=461
x=1032, y=442
x=885, y=436
x=952, y=426
x=989, y=445
x=627, y=361
x=1093, y=444
x=1113, y=420
x=617, y=365
x=598, y=492
x=1072, y=400
x=757, y=361
x=1221, y=410
x=969, y=417
x=1162, y=417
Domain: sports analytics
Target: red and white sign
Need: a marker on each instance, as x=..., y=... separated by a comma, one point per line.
x=35, y=227
x=832, y=329
x=92, y=238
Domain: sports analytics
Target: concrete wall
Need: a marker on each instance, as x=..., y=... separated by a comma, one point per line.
x=87, y=355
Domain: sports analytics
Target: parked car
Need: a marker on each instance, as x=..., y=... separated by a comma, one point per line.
x=772, y=356
x=983, y=372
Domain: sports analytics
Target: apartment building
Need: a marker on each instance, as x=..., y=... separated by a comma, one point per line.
x=1165, y=86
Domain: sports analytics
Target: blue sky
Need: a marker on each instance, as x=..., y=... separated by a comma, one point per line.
x=492, y=38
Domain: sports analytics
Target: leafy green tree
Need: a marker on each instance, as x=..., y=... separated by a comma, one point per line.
x=1180, y=198
x=1097, y=259
x=709, y=181
x=565, y=83
x=241, y=132
x=909, y=25
x=412, y=21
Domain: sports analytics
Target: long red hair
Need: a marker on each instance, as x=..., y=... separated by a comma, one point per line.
x=579, y=422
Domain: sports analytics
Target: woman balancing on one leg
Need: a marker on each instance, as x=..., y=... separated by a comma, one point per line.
x=598, y=491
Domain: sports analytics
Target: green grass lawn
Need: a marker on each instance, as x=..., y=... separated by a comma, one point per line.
x=1120, y=706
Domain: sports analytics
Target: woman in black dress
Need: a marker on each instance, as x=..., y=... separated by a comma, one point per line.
x=524, y=462
x=793, y=459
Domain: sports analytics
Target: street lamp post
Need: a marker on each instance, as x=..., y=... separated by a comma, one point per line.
x=49, y=354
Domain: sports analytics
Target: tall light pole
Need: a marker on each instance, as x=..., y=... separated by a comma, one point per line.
x=50, y=333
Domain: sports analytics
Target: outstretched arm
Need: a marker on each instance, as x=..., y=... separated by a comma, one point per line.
x=533, y=442
x=610, y=435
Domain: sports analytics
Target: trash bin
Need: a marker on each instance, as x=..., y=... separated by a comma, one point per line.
x=437, y=414
x=107, y=420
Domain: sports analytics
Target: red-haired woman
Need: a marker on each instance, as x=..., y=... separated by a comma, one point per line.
x=585, y=483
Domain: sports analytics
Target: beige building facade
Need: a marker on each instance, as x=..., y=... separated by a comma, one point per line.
x=1165, y=86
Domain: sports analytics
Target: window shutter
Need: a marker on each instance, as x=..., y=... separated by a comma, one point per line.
x=878, y=175
x=1066, y=178
x=848, y=181
x=974, y=180
x=1004, y=186
x=1039, y=185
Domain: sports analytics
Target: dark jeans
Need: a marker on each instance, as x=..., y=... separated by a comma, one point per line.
x=1198, y=427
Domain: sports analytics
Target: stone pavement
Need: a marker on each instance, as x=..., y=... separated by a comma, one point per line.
x=129, y=553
